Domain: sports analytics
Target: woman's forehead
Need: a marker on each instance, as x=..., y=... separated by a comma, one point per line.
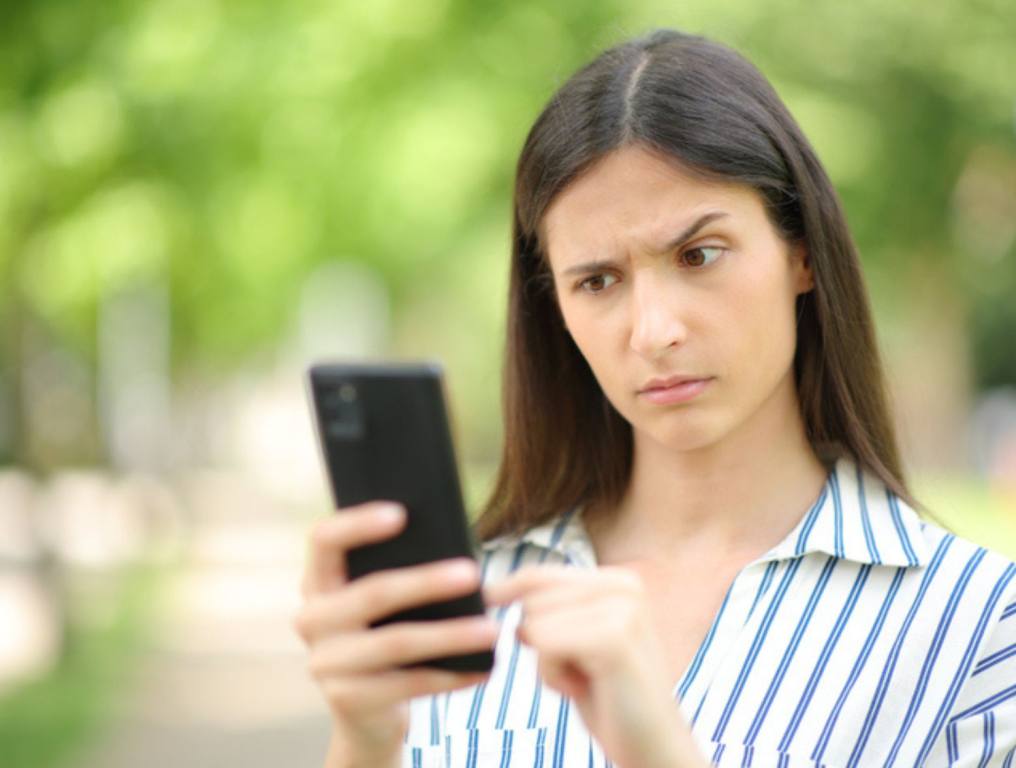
x=635, y=192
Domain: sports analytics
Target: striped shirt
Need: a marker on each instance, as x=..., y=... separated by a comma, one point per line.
x=868, y=636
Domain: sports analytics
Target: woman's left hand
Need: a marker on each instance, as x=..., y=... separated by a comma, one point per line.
x=596, y=644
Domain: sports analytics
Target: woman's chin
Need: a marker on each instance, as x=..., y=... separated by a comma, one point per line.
x=692, y=435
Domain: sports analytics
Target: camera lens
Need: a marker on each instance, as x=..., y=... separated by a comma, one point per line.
x=342, y=414
x=339, y=400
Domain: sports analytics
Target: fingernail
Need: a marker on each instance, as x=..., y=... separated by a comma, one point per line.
x=462, y=570
x=391, y=513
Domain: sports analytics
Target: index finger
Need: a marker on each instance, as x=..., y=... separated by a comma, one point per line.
x=528, y=579
x=347, y=529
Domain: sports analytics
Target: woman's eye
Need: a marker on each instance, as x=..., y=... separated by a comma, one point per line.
x=709, y=254
x=596, y=283
x=696, y=258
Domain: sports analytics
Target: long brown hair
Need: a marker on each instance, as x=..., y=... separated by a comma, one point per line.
x=706, y=107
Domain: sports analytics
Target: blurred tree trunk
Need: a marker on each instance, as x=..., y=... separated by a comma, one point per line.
x=12, y=308
x=929, y=367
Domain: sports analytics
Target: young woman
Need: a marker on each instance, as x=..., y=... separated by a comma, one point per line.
x=700, y=547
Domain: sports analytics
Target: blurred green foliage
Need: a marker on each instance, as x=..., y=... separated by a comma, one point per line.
x=225, y=147
x=48, y=721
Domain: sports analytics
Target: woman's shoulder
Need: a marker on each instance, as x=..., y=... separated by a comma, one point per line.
x=963, y=571
x=973, y=586
x=982, y=554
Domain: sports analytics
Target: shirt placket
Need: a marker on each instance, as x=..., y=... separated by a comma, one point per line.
x=733, y=626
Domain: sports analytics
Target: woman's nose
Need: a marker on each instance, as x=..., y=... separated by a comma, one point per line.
x=655, y=322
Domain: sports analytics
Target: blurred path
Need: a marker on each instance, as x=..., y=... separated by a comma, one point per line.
x=225, y=682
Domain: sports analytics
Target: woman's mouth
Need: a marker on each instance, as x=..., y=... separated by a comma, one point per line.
x=676, y=393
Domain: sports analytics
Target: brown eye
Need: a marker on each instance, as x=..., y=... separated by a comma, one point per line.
x=698, y=256
x=596, y=283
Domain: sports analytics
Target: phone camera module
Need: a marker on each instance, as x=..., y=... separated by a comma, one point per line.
x=343, y=417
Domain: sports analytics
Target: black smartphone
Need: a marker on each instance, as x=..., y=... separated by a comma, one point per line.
x=384, y=433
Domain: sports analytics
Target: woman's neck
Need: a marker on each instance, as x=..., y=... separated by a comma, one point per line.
x=739, y=497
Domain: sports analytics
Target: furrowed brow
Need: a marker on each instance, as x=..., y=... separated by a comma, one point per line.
x=602, y=264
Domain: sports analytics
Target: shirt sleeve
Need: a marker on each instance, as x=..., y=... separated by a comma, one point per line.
x=981, y=727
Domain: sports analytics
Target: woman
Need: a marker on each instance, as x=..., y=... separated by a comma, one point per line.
x=700, y=547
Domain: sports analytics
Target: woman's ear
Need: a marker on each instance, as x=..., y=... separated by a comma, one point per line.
x=801, y=265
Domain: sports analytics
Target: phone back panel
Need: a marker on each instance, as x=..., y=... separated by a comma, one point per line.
x=385, y=435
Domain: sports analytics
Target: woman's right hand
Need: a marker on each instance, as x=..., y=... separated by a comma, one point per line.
x=356, y=666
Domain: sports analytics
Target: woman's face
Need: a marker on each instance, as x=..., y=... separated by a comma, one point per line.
x=659, y=274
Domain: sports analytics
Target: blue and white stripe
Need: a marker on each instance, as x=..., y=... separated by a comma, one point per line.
x=866, y=637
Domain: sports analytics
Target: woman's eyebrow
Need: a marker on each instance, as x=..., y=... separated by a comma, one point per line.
x=687, y=234
x=694, y=227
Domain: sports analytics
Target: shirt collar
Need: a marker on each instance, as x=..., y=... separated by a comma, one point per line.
x=855, y=517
